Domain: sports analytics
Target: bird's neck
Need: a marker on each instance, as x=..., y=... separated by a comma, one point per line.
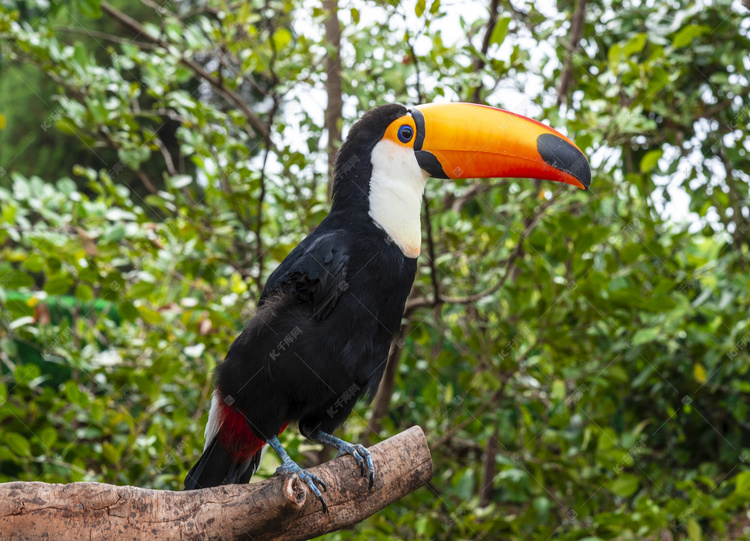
x=396, y=189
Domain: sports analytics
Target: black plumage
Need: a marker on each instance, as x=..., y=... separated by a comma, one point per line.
x=320, y=338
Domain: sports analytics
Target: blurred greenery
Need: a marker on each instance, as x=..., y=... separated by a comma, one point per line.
x=601, y=392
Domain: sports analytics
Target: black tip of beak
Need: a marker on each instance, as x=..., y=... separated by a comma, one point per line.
x=563, y=156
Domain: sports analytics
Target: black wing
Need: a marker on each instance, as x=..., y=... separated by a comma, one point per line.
x=314, y=273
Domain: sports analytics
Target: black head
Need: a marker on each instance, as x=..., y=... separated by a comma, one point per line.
x=353, y=168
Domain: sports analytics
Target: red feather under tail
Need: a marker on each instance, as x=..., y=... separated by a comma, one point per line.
x=235, y=436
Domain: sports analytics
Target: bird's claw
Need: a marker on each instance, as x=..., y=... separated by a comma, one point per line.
x=310, y=479
x=363, y=457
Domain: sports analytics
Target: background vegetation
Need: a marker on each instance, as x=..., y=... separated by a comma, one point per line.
x=578, y=360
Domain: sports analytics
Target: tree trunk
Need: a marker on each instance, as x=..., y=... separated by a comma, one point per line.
x=333, y=85
x=387, y=383
x=490, y=469
x=577, y=21
x=278, y=508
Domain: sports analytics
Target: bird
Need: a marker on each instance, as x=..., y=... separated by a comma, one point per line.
x=326, y=318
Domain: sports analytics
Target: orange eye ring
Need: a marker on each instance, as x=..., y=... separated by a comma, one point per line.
x=402, y=131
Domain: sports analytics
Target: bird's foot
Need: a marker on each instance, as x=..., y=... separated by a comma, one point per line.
x=310, y=479
x=361, y=455
x=290, y=467
x=359, y=452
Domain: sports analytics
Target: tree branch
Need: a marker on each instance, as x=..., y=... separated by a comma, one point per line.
x=278, y=508
x=576, y=33
x=479, y=61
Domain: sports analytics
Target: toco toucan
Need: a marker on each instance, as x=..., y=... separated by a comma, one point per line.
x=328, y=314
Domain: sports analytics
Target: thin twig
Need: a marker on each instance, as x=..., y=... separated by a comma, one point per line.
x=228, y=94
x=473, y=416
x=431, y=253
x=530, y=223
x=105, y=36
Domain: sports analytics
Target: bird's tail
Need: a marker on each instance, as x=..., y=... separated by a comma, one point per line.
x=232, y=453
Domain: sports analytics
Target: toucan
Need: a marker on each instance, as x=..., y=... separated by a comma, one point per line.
x=327, y=315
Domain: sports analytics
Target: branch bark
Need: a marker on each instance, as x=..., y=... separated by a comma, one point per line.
x=278, y=508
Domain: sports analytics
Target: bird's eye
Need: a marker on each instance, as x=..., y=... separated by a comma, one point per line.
x=405, y=134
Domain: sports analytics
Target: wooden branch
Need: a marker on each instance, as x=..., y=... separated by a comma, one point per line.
x=278, y=508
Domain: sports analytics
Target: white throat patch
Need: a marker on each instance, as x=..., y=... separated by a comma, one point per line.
x=396, y=189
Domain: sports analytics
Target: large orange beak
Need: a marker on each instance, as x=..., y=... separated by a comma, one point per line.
x=464, y=140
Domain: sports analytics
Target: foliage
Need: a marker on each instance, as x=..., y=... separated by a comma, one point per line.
x=600, y=392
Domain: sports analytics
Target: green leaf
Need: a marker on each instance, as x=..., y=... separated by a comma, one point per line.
x=115, y=233
x=742, y=483
x=501, y=31
x=180, y=181
x=659, y=303
x=48, y=436
x=140, y=290
x=694, y=530
x=35, y=263
x=75, y=395
x=16, y=279
x=542, y=506
x=650, y=160
x=281, y=38
x=624, y=486
x=128, y=311
x=646, y=335
x=90, y=8
x=19, y=308
x=149, y=315
x=110, y=452
x=688, y=33
x=17, y=444
x=634, y=45
x=699, y=373
x=84, y=293
x=465, y=485
x=620, y=52
x=59, y=284
x=420, y=7
x=584, y=242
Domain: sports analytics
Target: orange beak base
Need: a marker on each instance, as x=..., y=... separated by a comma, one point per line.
x=464, y=140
